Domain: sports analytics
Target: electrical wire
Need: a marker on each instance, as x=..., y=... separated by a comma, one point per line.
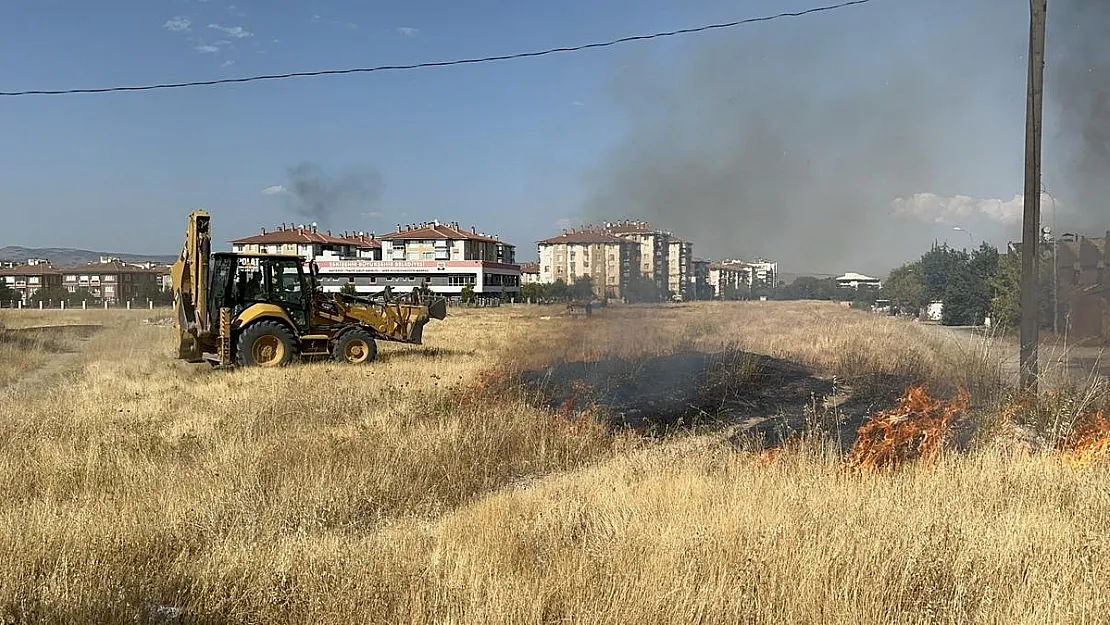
x=410, y=66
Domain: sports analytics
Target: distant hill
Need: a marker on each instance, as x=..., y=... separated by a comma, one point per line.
x=65, y=257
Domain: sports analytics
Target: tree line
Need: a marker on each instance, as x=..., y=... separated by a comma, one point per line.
x=53, y=295
x=971, y=287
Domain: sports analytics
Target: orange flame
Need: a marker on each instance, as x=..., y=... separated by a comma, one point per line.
x=917, y=428
x=1090, y=443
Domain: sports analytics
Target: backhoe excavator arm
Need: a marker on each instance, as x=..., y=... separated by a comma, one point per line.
x=192, y=318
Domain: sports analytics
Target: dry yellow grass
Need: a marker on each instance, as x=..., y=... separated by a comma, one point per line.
x=138, y=487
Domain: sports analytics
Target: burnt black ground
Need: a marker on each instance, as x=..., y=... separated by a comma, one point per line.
x=750, y=393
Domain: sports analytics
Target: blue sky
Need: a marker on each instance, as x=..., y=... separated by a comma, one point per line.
x=516, y=148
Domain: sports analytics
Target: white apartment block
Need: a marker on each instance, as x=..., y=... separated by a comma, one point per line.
x=853, y=280
x=680, y=265
x=293, y=240
x=759, y=272
x=441, y=257
x=611, y=261
x=725, y=277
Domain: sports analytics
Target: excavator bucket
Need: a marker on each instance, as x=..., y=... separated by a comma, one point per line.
x=437, y=309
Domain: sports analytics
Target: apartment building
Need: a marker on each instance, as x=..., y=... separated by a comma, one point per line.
x=702, y=288
x=654, y=249
x=1083, y=284
x=294, y=240
x=852, y=280
x=727, y=279
x=441, y=257
x=530, y=273
x=28, y=278
x=113, y=281
x=680, y=267
x=363, y=245
x=611, y=261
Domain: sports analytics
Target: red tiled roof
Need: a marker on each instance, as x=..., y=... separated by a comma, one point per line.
x=530, y=268
x=362, y=241
x=291, y=235
x=29, y=270
x=585, y=237
x=112, y=267
x=438, y=231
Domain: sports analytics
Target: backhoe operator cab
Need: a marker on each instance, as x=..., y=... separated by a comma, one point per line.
x=267, y=310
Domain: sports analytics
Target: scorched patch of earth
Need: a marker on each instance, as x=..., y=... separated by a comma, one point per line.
x=746, y=392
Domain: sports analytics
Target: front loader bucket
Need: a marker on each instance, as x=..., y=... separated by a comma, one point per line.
x=437, y=308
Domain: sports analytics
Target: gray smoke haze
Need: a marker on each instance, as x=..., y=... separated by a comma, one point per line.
x=1077, y=81
x=775, y=142
x=318, y=196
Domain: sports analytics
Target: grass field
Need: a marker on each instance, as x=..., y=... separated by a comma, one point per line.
x=429, y=487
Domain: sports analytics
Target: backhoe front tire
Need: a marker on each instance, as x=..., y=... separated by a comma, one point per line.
x=356, y=347
x=266, y=344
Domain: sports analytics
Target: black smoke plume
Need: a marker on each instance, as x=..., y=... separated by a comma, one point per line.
x=320, y=197
x=784, y=143
x=1077, y=80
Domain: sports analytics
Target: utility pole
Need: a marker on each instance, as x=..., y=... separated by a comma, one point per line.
x=1031, y=230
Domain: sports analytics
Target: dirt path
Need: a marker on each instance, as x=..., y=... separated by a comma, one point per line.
x=56, y=363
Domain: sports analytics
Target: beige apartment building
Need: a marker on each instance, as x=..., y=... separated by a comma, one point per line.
x=530, y=273
x=611, y=261
x=655, y=249
x=293, y=240
x=1082, y=285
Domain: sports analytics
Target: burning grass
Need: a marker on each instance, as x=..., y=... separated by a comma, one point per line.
x=918, y=428
x=1090, y=443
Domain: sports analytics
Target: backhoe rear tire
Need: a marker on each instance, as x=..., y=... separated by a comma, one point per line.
x=355, y=346
x=266, y=344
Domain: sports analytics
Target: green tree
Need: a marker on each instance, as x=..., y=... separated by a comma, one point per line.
x=52, y=295
x=642, y=289
x=905, y=288
x=938, y=266
x=150, y=291
x=558, y=290
x=7, y=294
x=811, y=288
x=467, y=294
x=82, y=295
x=1005, y=286
x=583, y=288
x=348, y=289
x=532, y=292
x=1006, y=292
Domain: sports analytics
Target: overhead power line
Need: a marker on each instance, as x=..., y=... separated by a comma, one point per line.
x=410, y=66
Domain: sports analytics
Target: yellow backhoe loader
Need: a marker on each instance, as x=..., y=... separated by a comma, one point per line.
x=238, y=309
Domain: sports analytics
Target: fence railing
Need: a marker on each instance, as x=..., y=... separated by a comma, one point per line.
x=64, y=305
